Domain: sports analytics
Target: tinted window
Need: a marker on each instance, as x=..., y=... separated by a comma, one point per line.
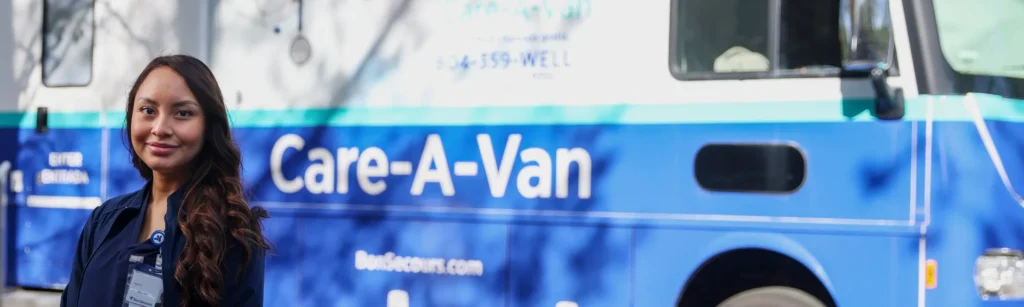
x=767, y=168
x=982, y=39
x=982, y=45
x=67, y=42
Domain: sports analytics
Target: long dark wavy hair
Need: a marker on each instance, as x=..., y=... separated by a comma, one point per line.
x=214, y=205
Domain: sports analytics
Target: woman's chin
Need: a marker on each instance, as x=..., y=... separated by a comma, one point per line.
x=165, y=168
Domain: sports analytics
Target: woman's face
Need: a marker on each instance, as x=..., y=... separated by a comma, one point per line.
x=167, y=122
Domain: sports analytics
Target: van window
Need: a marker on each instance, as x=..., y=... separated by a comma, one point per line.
x=750, y=168
x=755, y=38
x=67, y=42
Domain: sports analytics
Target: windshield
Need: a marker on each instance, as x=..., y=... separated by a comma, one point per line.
x=982, y=37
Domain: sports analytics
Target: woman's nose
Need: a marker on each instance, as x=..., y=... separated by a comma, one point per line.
x=161, y=127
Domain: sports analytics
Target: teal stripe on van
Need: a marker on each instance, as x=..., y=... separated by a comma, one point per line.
x=811, y=111
x=512, y=115
x=58, y=120
x=946, y=108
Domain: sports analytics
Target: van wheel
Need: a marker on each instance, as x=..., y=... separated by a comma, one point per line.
x=774, y=296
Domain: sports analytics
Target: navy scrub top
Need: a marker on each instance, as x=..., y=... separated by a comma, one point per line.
x=106, y=275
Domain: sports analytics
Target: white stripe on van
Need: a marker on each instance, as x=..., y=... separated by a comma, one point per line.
x=64, y=202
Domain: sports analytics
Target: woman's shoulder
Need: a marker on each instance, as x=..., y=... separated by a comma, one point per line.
x=118, y=202
x=101, y=219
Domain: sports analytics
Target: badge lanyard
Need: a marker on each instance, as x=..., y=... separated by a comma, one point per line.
x=143, y=286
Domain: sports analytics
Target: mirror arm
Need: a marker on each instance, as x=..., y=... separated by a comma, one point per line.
x=888, y=103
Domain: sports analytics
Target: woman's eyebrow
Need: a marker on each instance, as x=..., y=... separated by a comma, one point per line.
x=177, y=104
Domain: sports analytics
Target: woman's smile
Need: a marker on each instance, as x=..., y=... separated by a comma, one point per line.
x=161, y=149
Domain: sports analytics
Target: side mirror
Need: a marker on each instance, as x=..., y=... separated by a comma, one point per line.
x=865, y=31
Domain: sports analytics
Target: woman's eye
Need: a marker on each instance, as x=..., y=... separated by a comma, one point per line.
x=147, y=110
x=184, y=113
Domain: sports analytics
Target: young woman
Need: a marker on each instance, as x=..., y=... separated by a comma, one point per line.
x=188, y=238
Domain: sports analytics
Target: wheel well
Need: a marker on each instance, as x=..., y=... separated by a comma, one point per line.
x=738, y=270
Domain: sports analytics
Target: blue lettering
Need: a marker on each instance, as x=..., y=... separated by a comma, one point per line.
x=501, y=60
x=529, y=59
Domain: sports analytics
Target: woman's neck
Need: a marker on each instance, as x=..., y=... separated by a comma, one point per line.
x=165, y=185
x=162, y=188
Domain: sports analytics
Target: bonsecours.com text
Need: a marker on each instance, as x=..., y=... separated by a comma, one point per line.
x=392, y=263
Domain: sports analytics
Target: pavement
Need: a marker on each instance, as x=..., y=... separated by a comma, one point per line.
x=29, y=298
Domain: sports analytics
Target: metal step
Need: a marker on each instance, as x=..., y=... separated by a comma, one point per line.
x=29, y=298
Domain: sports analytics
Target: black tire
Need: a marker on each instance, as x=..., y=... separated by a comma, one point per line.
x=774, y=296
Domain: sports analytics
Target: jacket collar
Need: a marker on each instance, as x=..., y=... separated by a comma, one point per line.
x=142, y=196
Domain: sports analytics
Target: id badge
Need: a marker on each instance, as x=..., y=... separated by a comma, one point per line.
x=145, y=287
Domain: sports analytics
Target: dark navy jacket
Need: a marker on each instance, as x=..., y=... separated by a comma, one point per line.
x=118, y=213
